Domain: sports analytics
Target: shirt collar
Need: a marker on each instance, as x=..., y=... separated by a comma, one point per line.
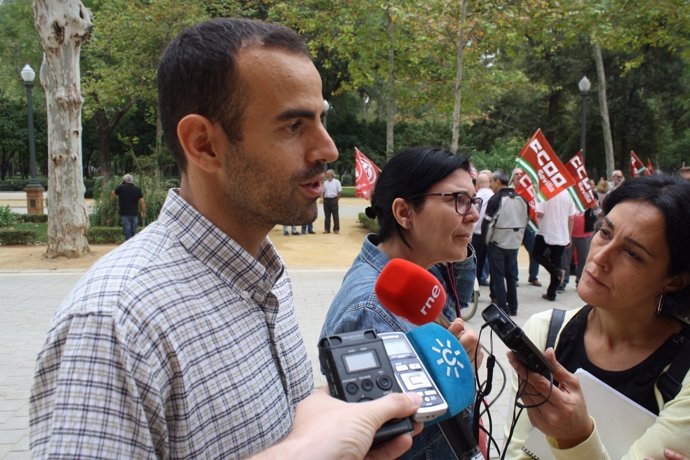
x=218, y=251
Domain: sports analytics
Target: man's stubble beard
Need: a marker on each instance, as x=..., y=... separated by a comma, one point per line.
x=249, y=192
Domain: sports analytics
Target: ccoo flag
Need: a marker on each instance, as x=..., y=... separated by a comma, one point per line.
x=583, y=194
x=366, y=173
x=636, y=165
x=549, y=176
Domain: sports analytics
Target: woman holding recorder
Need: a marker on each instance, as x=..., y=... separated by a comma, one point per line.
x=634, y=325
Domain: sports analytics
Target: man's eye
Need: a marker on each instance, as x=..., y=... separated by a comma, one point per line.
x=294, y=127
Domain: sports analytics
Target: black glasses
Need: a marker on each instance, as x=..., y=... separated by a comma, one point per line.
x=463, y=201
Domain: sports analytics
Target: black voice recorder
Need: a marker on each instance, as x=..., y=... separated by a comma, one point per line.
x=515, y=339
x=357, y=368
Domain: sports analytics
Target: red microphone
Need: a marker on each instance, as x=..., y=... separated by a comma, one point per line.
x=410, y=291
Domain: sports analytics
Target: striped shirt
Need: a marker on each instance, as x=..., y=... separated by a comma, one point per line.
x=178, y=344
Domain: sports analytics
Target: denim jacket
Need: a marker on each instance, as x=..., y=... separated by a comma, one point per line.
x=356, y=307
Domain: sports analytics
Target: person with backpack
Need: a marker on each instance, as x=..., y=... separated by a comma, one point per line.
x=503, y=227
x=633, y=333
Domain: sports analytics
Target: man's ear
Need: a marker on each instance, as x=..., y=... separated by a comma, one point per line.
x=676, y=282
x=402, y=211
x=199, y=139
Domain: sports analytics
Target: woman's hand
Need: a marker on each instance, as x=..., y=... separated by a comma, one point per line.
x=671, y=455
x=557, y=411
x=469, y=341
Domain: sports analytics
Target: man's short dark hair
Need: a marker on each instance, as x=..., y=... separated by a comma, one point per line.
x=198, y=74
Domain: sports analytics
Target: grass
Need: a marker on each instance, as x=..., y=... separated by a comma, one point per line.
x=40, y=229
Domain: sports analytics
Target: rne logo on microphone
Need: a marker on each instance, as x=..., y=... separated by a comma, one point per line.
x=448, y=357
x=435, y=292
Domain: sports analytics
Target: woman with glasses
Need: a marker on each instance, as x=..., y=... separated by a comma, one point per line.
x=426, y=209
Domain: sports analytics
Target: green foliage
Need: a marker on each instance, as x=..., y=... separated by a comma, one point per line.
x=32, y=218
x=7, y=218
x=369, y=224
x=105, y=235
x=10, y=236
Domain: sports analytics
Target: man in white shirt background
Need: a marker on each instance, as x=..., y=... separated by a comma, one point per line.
x=555, y=234
x=331, y=194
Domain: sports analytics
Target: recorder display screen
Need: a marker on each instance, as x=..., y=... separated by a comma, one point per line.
x=357, y=362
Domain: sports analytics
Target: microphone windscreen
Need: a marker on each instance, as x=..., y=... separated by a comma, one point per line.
x=408, y=290
x=448, y=365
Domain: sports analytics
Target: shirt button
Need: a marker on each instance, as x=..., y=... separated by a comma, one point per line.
x=245, y=295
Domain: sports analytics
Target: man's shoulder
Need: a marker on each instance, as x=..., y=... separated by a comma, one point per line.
x=120, y=272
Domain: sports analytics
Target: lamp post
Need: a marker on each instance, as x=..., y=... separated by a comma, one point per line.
x=34, y=189
x=584, y=85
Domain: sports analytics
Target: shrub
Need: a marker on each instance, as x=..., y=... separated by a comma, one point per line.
x=105, y=235
x=32, y=218
x=369, y=224
x=7, y=218
x=12, y=236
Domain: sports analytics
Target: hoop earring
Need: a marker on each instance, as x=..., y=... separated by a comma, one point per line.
x=660, y=305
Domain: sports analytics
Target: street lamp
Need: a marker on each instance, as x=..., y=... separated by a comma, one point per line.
x=584, y=85
x=34, y=189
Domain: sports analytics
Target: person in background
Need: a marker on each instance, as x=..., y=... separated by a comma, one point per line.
x=426, y=208
x=130, y=201
x=528, y=239
x=684, y=172
x=331, y=195
x=602, y=190
x=483, y=188
x=634, y=325
x=554, y=234
x=183, y=342
x=308, y=228
x=617, y=179
x=507, y=216
x=288, y=228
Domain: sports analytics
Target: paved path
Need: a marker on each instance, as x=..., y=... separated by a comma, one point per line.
x=29, y=299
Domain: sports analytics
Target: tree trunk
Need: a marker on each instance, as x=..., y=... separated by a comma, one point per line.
x=63, y=26
x=390, y=89
x=604, y=109
x=455, y=143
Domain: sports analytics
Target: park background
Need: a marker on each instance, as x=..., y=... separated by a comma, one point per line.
x=480, y=77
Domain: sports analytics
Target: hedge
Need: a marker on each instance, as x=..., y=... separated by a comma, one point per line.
x=12, y=236
x=105, y=235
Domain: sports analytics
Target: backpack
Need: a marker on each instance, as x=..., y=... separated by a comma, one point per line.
x=507, y=226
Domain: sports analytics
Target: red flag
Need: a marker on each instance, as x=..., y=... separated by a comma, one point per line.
x=545, y=169
x=650, y=170
x=523, y=187
x=583, y=193
x=366, y=173
x=636, y=165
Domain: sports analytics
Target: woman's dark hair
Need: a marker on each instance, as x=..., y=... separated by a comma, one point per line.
x=407, y=175
x=198, y=73
x=671, y=196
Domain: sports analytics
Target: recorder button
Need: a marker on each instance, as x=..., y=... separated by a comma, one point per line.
x=384, y=382
x=367, y=385
x=351, y=388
